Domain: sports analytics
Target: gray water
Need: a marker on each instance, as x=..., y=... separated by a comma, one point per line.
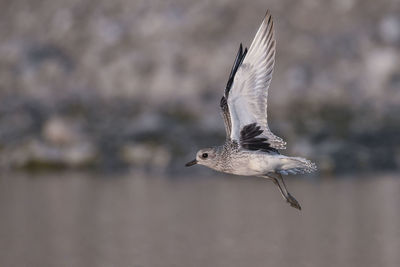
x=138, y=220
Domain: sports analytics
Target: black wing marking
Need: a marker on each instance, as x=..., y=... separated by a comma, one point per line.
x=224, y=104
x=250, y=141
x=227, y=117
x=236, y=64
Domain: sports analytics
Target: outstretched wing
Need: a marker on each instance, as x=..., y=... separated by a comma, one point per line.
x=247, y=92
x=223, y=103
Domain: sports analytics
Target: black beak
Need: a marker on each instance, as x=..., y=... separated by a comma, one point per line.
x=191, y=163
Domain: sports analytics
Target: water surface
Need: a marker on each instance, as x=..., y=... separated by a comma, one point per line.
x=78, y=219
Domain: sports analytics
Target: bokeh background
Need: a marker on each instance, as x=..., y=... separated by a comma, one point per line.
x=102, y=102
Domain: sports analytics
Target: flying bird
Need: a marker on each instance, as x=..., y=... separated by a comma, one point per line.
x=250, y=148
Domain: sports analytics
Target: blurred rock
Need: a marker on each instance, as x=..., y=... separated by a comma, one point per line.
x=146, y=156
x=381, y=63
x=36, y=155
x=60, y=131
x=389, y=29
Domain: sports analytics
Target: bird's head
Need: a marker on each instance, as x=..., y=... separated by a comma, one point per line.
x=206, y=157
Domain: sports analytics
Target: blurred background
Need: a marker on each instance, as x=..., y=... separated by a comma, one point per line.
x=102, y=103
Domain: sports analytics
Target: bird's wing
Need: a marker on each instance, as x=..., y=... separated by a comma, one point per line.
x=226, y=116
x=223, y=103
x=247, y=90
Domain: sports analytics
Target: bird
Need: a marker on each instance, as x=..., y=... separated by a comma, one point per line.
x=250, y=148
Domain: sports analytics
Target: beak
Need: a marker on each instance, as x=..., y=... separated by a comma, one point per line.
x=191, y=163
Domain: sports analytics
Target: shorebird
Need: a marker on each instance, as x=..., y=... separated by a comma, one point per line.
x=250, y=148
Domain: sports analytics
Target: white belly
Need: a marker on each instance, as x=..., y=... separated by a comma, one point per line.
x=256, y=164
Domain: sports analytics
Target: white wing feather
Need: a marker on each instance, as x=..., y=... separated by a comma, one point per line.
x=247, y=99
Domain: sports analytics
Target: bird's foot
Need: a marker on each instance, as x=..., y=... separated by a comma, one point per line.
x=293, y=202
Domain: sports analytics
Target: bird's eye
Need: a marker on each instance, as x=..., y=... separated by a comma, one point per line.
x=204, y=156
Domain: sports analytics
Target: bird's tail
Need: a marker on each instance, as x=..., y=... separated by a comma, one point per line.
x=296, y=165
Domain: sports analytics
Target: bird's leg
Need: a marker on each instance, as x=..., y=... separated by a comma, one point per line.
x=276, y=178
x=292, y=201
x=279, y=186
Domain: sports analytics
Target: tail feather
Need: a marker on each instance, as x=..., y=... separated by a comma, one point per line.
x=296, y=165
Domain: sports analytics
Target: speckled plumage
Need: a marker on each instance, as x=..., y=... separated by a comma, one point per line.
x=251, y=149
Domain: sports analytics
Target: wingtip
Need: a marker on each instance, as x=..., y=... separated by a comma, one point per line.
x=267, y=15
x=267, y=18
x=236, y=64
x=243, y=52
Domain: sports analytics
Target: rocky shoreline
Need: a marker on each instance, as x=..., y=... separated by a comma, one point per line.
x=121, y=134
x=136, y=84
